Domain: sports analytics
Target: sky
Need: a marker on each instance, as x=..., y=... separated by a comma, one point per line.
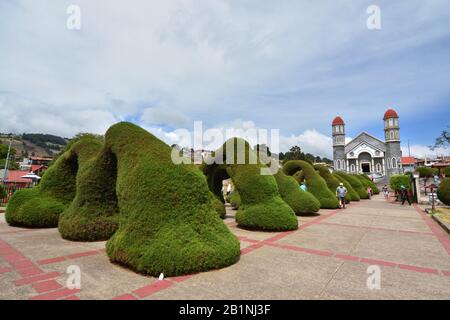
x=288, y=65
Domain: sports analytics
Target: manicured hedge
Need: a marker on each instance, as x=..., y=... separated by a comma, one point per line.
x=261, y=206
x=2, y=192
x=331, y=180
x=396, y=181
x=315, y=183
x=443, y=192
x=168, y=223
x=354, y=196
x=234, y=199
x=447, y=172
x=300, y=201
x=367, y=182
x=355, y=183
x=41, y=206
x=298, y=176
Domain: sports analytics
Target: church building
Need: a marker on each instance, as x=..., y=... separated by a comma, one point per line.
x=366, y=153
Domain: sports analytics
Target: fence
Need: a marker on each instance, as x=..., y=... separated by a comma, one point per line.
x=9, y=190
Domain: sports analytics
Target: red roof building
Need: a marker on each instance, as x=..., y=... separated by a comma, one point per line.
x=15, y=177
x=408, y=161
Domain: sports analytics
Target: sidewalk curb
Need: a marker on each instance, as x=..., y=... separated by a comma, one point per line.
x=444, y=225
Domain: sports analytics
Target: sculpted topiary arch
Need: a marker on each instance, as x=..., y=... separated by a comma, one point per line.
x=40, y=207
x=161, y=215
x=316, y=184
x=333, y=182
x=261, y=206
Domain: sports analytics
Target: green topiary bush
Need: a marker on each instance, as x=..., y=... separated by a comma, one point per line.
x=355, y=183
x=94, y=213
x=396, y=181
x=447, y=172
x=443, y=191
x=261, y=206
x=300, y=201
x=315, y=183
x=218, y=206
x=234, y=199
x=41, y=206
x=331, y=180
x=354, y=196
x=367, y=182
x=168, y=223
x=2, y=192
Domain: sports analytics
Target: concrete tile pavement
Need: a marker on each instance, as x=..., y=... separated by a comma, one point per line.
x=327, y=258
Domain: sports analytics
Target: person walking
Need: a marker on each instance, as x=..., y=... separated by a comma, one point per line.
x=229, y=189
x=341, y=192
x=369, y=192
x=303, y=187
x=404, y=195
x=386, y=192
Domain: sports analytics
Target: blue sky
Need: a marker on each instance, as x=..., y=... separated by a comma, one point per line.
x=289, y=65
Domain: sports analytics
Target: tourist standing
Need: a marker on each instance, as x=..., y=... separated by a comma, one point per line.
x=341, y=192
x=229, y=189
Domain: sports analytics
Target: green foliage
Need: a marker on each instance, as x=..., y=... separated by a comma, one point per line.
x=396, y=181
x=93, y=214
x=351, y=193
x=442, y=141
x=315, y=183
x=426, y=172
x=261, y=206
x=234, y=199
x=365, y=180
x=2, y=191
x=355, y=183
x=168, y=223
x=300, y=201
x=41, y=140
x=443, y=191
x=41, y=207
x=331, y=180
x=218, y=206
x=447, y=171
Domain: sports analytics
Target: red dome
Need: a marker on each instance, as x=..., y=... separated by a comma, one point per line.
x=337, y=120
x=390, y=113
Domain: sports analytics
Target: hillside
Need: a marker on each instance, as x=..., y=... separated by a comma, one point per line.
x=35, y=144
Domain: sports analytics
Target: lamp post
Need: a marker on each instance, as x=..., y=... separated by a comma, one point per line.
x=5, y=173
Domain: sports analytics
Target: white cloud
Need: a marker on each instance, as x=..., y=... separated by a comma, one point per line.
x=420, y=151
x=163, y=116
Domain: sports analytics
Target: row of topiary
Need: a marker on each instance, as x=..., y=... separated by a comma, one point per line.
x=160, y=217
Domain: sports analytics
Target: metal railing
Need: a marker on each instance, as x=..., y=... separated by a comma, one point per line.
x=8, y=191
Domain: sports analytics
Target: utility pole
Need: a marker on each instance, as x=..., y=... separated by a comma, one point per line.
x=409, y=149
x=5, y=172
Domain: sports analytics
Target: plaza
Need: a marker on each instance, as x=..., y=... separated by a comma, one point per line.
x=326, y=258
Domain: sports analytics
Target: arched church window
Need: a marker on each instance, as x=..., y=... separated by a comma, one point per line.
x=394, y=163
x=378, y=167
x=352, y=168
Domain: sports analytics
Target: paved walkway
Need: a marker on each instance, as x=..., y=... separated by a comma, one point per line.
x=327, y=258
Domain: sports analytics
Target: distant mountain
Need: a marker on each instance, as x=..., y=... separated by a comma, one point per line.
x=35, y=144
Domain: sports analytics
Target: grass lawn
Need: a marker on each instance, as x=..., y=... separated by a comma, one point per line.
x=444, y=214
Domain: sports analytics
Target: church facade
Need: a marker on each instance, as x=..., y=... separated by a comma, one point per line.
x=366, y=153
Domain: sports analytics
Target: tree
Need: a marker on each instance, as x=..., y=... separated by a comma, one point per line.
x=295, y=153
x=426, y=173
x=443, y=141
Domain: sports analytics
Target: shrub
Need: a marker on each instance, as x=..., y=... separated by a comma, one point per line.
x=300, y=201
x=354, y=196
x=396, y=181
x=234, y=199
x=447, y=172
x=219, y=206
x=365, y=180
x=168, y=223
x=298, y=176
x=355, y=183
x=443, y=192
x=315, y=183
x=41, y=206
x=93, y=215
x=261, y=206
x=2, y=192
x=331, y=180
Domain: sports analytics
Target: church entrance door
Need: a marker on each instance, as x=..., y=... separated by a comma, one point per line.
x=365, y=167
